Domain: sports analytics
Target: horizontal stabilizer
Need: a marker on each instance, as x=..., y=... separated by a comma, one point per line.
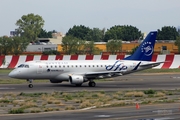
x=152, y=64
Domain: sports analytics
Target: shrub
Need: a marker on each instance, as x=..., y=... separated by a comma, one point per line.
x=159, y=94
x=31, y=94
x=16, y=111
x=5, y=101
x=48, y=109
x=150, y=91
x=134, y=94
x=85, y=104
x=70, y=107
x=35, y=110
x=51, y=52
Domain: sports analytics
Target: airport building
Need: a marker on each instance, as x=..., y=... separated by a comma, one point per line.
x=46, y=44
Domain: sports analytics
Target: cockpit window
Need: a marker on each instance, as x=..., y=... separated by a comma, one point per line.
x=26, y=66
x=23, y=66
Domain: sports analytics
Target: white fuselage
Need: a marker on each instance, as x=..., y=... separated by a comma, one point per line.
x=62, y=69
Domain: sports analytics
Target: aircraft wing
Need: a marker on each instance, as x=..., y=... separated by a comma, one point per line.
x=152, y=64
x=101, y=74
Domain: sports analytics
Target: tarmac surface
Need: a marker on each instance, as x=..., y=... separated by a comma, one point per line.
x=138, y=81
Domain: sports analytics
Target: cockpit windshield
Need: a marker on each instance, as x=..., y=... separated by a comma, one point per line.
x=23, y=66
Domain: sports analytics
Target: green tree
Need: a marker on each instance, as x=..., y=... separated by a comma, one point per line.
x=19, y=45
x=44, y=34
x=89, y=47
x=30, y=26
x=114, y=46
x=72, y=45
x=13, y=45
x=5, y=45
x=96, y=34
x=79, y=32
x=167, y=33
x=51, y=52
x=126, y=32
x=177, y=43
x=178, y=30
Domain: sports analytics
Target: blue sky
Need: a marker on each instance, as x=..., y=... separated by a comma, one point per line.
x=60, y=15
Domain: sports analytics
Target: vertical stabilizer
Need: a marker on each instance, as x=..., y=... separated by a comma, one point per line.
x=145, y=49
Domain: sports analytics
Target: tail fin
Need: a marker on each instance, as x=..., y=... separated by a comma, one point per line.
x=146, y=48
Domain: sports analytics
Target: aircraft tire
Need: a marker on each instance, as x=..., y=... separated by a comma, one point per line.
x=92, y=84
x=30, y=85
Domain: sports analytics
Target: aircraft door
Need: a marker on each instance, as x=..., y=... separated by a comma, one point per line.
x=40, y=69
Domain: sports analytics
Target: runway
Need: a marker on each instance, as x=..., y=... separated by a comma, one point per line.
x=146, y=112
x=138, y=81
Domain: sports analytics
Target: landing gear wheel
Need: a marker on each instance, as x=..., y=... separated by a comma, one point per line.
x=30, y=85
x=92, y=84
x=30, y=81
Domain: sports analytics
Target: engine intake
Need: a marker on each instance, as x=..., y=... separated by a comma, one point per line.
x=76, y=79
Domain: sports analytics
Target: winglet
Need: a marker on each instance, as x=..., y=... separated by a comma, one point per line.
x=146, y=48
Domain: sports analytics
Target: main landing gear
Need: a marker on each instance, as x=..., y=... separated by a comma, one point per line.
x=92, y=84
x=30, y=83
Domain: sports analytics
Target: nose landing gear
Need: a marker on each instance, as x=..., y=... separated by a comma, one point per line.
x=30, y=83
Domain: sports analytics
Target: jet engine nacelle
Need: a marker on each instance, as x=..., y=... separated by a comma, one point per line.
x=76, y=79
x=55, y=81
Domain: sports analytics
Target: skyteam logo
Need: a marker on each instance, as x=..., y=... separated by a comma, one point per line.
x=147, y=48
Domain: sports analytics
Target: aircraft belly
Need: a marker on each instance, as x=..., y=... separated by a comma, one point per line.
x=62, y=77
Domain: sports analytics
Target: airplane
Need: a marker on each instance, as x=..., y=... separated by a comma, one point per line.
x=78, y=72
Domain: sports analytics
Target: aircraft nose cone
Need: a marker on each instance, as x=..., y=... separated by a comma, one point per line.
x=12, y=74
